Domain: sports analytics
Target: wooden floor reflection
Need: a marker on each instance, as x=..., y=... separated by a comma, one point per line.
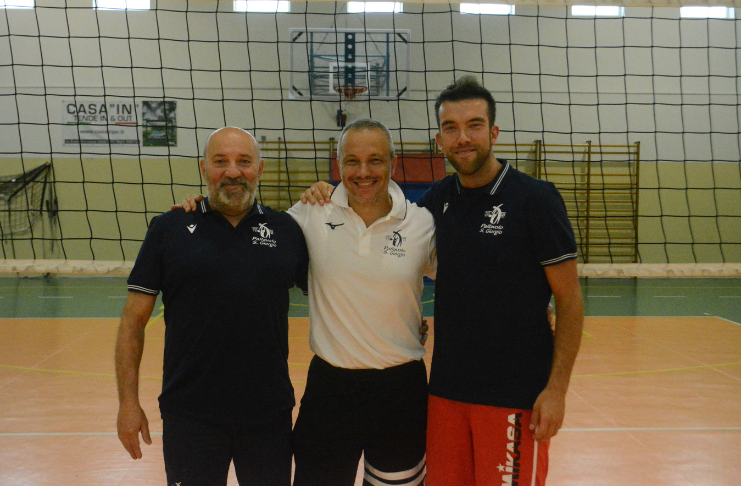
x=653, y=400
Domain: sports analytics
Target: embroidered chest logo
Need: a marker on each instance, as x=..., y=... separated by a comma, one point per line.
x=445, y=207
x=263, y=236
x=191, y=227
x=333, y=225
x=511, y=468
x=396, y=241
x=494, y=216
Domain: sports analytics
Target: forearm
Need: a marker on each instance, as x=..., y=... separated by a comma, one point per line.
x=550, y=406
x=570, y=323
x=130, y=346
x=129, y=350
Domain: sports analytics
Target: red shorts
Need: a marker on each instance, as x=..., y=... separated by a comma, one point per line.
x=479, y=445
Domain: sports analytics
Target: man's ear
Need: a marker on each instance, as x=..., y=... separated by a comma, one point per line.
x=494, y=134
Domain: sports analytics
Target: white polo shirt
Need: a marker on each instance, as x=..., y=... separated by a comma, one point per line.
x=365, y=284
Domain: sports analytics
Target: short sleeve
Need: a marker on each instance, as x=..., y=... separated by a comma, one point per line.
x=426, y=200
x=549, y=226
x=146, y=276
x=300, y=213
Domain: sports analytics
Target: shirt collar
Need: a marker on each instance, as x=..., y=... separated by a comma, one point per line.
x=492, y=187
x=204, y=207
x=398, y=200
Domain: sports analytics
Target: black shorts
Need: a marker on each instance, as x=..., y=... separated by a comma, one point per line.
x=345, y=413
x=199, y=454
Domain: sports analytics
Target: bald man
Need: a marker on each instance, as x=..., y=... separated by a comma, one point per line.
x=224, y=271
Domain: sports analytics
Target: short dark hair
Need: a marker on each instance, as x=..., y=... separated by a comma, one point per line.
x=466, y=88
x=365, y=124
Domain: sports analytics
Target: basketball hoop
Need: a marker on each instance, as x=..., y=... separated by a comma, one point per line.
x=350, y=91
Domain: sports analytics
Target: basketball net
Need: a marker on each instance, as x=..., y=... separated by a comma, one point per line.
x=350, y=91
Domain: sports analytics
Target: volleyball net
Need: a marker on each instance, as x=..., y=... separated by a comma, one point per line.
x=103, y=115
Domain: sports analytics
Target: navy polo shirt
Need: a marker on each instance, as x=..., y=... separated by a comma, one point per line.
x=493, y=343
x=225, y=292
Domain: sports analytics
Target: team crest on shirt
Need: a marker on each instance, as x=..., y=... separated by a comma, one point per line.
x=495, y=216
x=395, y=244
x=264, y=235
x=511, y=468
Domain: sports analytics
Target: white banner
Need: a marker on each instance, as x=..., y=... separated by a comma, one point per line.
x=96, y=121
x=99, y=121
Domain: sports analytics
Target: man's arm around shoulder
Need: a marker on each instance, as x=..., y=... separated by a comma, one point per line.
x=550, y=407
x=129, y=349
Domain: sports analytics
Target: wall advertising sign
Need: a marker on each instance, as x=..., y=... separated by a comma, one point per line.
x=98, y=121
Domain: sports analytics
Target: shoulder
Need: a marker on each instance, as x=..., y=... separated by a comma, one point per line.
x=304, y=214
x=532, y=187
x=538, y=197
x=167, y=226
x=421, y=216
x=437, y=190
x=443, y=184
x=280, y=218
x=171, y=219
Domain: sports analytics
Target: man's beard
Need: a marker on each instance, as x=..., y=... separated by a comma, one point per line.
x=232, y=200
x=469, y=168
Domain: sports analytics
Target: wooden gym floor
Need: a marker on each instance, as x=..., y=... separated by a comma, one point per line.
x=655, y=397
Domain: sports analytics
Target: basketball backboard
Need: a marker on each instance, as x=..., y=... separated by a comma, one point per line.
x=327, y=63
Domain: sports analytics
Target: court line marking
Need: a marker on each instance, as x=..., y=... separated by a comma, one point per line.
x=65, y=372
x=706, y=316
x=669, y=296
x=604, y=296
x=664, y=316
x=647, y=287
x=64, y=286
x=54, y=297
x=688, y=368
x=728, y=320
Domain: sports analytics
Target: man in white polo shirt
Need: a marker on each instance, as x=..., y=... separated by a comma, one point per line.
x=367, y=385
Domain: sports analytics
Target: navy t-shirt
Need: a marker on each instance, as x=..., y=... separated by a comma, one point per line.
x=225, y=292
x=493, y=343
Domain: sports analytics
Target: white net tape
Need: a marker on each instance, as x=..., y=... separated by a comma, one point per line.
x=593, y=270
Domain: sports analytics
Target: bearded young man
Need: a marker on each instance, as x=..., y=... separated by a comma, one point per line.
x=498, y=380
x=224, y=271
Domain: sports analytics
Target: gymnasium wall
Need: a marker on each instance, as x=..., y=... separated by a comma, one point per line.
x=671, y=85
